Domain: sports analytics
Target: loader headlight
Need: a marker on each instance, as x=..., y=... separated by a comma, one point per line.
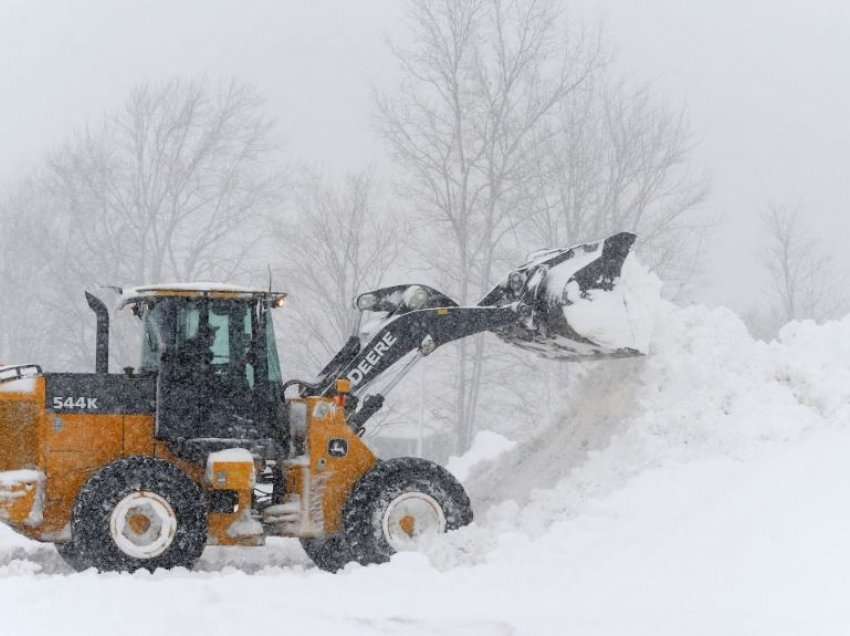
x=415, y=297
x=366, y=301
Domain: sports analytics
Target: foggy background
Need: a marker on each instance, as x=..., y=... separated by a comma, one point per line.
x=763, y=87
x=765, y=84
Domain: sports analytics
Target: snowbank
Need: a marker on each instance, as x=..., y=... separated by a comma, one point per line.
x=707, y=389
x=486, y=446
x=621, y=318
x=699, y=490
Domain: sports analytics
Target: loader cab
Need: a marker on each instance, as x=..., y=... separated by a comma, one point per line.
x=212, y=350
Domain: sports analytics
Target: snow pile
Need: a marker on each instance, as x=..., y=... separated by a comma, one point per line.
x=10, y=479
x=707, y=390
x=18, y=378
x=487, y=446
x=817, y=368
x=622, y=317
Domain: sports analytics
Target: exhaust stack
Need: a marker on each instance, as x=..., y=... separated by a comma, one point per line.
x=101, y=356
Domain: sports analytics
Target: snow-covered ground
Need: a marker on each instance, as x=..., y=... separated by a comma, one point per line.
x=701, y=490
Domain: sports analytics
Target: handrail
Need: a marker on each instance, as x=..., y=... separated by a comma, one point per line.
x=19, y=372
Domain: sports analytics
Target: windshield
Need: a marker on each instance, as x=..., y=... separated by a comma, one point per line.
x=223, y=335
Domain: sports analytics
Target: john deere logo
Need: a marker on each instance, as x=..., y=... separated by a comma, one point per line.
x=337, y=447
x=365, y=366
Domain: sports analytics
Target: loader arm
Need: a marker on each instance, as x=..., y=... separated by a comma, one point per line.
x=420, y=331
x=423, y=330
x=531, y=309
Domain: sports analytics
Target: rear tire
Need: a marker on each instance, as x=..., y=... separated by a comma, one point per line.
x=138, y=513
x=398, y=502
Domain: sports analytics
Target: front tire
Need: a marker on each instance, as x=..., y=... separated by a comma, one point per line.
x=328, y=553
x=398, y=504
x=138, y=513
x=70, y=555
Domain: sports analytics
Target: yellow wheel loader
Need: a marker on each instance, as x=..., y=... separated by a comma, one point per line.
x=199, y=445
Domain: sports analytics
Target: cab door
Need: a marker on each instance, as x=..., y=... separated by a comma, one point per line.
x=212, y=380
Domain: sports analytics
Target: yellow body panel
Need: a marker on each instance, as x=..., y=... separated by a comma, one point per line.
x=21, y=497
x=238, y=477
x=21, y=500
x=75, y=446
x=138, y=435
x=332, y=477
x=67, y=448
x=20, y=414
x=219, y=524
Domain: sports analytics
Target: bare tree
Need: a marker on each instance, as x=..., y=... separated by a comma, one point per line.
x=22, y=328
x=513, y=135
x=336, y=244
x=171, y=187
x=803, y=276
x=615, y=160
x=610, y=159
x=479, y=83
x=165, y=185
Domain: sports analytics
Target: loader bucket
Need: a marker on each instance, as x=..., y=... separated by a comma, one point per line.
x=592, y=300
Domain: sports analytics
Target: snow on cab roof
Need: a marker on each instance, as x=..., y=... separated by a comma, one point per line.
x=197, y=289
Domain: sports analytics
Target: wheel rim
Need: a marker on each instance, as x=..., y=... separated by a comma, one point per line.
x=143, y=525
x=409, y=518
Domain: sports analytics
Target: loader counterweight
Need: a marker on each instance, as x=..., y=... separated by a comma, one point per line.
x=22, y=485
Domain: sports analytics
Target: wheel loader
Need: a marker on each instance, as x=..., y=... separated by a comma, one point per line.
x=204, y=443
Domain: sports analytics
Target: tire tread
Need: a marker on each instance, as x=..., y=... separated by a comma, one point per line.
x=388, y=479
x=92, y=546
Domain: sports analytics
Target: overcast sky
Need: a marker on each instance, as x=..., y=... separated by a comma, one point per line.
x=766, y=84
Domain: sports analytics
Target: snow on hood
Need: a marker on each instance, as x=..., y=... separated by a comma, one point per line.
x=23, y=385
